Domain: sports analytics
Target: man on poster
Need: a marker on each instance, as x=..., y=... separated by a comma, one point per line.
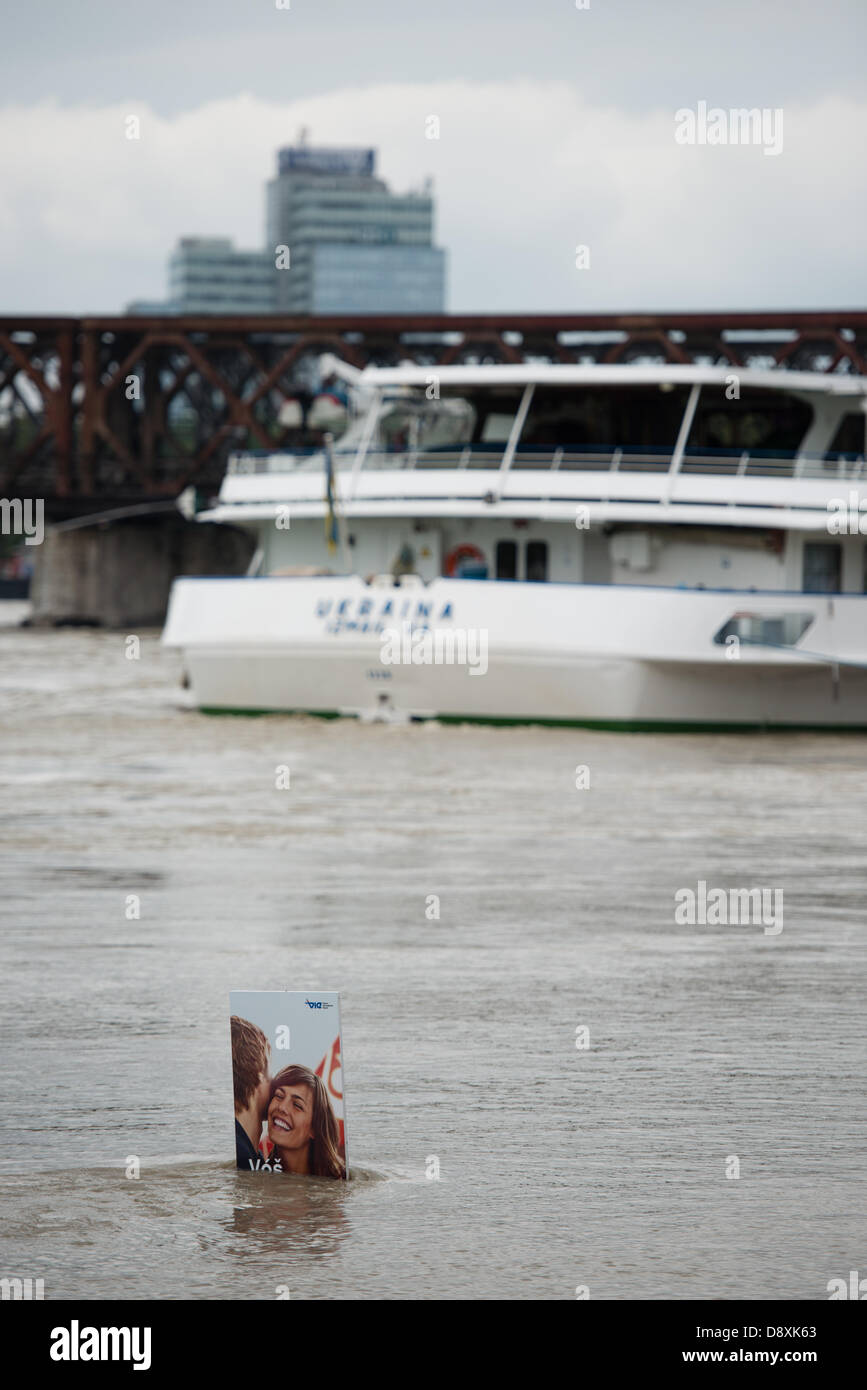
x=251, y=1065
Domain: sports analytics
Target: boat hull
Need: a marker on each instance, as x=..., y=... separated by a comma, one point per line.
x=515, y=652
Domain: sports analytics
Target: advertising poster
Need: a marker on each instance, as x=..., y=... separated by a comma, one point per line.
x=288, y=1083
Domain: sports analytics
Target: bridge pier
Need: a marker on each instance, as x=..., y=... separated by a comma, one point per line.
x=118, y=575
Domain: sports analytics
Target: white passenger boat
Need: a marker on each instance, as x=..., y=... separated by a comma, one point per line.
x=602, y=545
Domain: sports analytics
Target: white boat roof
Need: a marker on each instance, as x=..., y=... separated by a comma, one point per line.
x=616, y=374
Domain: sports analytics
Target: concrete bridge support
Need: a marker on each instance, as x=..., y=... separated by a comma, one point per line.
x=118, y=575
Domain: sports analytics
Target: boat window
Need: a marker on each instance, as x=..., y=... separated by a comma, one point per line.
x=537, y=562
x=497, y=427
x=414, y=422
x=507, y=560
x=582, y=417
x=495, y=410
x=822, y=567
x=849, y=438
x=765, y=629
x=754, y=421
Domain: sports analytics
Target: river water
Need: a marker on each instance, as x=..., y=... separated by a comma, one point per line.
x=602, y=1166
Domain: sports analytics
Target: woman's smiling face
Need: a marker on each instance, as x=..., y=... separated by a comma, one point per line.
x=290, y=1116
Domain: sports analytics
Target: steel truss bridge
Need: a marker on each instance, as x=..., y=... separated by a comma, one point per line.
x=99, y=412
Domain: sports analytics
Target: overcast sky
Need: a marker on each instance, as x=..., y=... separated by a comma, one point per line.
x=556, y=130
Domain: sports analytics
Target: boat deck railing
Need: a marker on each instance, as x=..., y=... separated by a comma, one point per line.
x=565, y=459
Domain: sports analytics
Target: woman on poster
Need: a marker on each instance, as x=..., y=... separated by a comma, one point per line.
x=302, y=1126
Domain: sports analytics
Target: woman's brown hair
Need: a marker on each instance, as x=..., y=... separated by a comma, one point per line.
x=324, y=1156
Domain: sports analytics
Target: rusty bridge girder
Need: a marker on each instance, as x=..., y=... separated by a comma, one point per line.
x=101, y=411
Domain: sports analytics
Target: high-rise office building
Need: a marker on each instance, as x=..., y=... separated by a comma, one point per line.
x=353, y=245
x=208, y=276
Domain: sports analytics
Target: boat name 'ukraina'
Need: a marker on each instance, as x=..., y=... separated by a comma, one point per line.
x=372, y=615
